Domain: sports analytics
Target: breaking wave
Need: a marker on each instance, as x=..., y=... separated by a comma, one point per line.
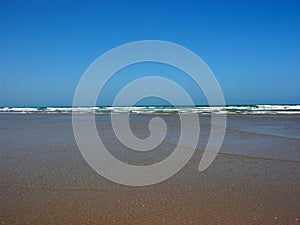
x=231, y=109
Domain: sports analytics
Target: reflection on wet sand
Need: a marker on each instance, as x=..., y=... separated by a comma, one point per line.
x=44, y=179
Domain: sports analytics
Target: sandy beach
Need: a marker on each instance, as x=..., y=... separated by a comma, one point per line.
x=254, y=179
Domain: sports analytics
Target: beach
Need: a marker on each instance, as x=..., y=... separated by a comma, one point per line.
x=254, y=179
x=149, y=112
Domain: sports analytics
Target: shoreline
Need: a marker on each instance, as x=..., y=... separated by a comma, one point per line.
x=44, y=178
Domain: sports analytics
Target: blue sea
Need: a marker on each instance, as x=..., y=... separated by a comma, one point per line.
x=230, y=109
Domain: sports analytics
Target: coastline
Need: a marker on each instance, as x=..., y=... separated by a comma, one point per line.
x=44, y=178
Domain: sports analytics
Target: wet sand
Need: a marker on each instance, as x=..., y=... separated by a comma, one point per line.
x=45, y=180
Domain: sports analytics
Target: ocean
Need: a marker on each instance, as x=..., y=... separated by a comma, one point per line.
x=230, y=109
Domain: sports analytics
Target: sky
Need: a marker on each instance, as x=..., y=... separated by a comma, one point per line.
x=252, y=47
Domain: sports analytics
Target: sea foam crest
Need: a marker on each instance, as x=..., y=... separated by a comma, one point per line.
x=232, y=109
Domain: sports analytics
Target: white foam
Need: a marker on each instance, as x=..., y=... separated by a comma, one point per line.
x=18, y=109
x=252, y=110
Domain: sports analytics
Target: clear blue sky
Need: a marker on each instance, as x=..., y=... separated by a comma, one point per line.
x=252, y=47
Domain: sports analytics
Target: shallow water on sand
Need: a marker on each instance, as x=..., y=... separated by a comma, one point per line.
x=255, y=178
